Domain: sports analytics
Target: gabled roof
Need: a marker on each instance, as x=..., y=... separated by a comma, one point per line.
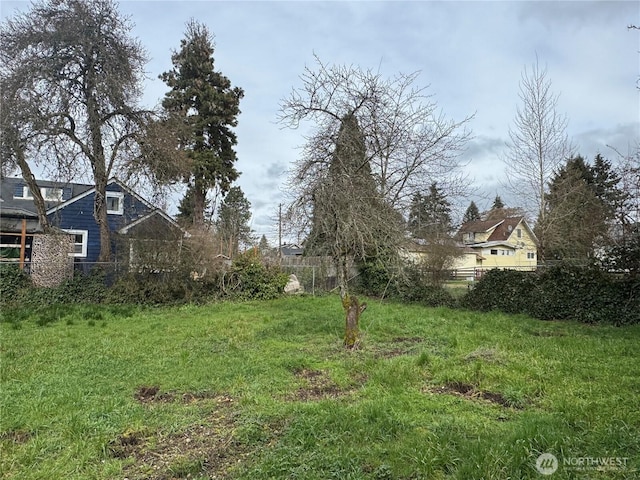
x=499, y=243
x=480, y=226
x=92, y=190
x=12, y=206
x=500, y=229
x=124, y=230
x=504, y=229
x=9, y=203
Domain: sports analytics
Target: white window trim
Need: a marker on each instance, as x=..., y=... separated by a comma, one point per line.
x=26, y=194
x=120, y=209
x=85, y=241
x=46, y=194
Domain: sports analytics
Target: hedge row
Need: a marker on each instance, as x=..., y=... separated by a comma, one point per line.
x=247, y=278
x=561, y=292
x=410, y=284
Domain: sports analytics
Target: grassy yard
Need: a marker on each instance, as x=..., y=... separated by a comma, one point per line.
x=266, y=390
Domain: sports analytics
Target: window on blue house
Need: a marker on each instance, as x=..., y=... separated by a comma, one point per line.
x=23, y=193
x=80, y=238
x=51, y=194
x=115, y=203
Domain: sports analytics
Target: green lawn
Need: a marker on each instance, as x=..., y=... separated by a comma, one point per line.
x=266, y=390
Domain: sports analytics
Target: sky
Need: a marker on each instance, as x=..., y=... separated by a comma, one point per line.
x=470, y=55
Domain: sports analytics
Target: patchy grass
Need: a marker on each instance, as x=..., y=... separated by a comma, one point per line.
x=266, y=390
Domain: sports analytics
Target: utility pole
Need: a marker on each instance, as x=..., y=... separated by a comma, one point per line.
x=280, y=233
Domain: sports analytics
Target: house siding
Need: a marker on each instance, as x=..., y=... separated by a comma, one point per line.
x=522, y=250
x=78, y=215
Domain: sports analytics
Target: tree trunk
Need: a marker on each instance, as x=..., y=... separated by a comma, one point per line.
x=352, y=309
x=30, y=180
x=100, y=214
x=199, y=203
x=98, y=163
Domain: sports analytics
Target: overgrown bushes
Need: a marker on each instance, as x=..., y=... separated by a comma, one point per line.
x=16, y=288
x=251, y=278
x=564, y=291
x=12, y=281
x=585, y=294
x=408, y=283
x=246, y=278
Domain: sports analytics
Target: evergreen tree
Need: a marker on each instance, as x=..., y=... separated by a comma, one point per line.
x=430, y=215
x=579, y=210
x=607, y=185
x=430, y=220
x=263, y=246
x=209, y=105
x=186, y=208
x=348, y=213
x=472, y=214
x=499, y=211
x=233, y=221
x=497, y=203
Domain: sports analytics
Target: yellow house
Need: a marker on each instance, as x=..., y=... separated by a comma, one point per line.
x=507, y=243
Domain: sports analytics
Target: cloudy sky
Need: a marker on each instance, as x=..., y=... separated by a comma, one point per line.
x=471, y=55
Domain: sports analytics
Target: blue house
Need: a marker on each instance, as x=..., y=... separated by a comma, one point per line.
x=70, y=210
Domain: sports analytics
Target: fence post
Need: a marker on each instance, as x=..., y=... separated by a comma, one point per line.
x=23, y=243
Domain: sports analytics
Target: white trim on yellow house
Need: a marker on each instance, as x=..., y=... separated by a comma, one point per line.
x=507, y=243
x=516, y=250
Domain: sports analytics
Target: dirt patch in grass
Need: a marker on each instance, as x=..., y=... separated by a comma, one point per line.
x=548, y=333
x=470, y=392
x=152, y=394
x=399, y=346
x=490, y=355
x=16, y=436
x=147, y=393
x=207, y=449
x=318, y=386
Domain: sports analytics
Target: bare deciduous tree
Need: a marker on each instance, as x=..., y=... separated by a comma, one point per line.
x=538, y=144
x=17, y=140
x=75, y=64
x=409, y=141
x=375, y=142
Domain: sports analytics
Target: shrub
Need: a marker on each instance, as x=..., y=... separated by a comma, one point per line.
x=374, y=278
x=560, y=292
x=509, y=291
x=411, y=284
x=89, y=288
x=12, y=282
x=163, y=288
x=250, y=278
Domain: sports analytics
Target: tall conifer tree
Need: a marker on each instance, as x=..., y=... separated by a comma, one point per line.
x=209, y=105
x=233, y=221
x=430, y=214
x=472, y=213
